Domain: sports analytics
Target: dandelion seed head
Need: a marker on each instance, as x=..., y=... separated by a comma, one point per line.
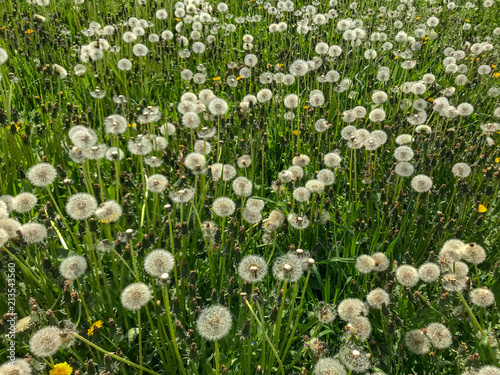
x=439, y=335
x=288, y=268
x=42, y=174
x=45, y=342
x=417, y=342
x=429, y=272
x=351, y=308
x=360, y=327
x=482, y=297
x=24, y=202
x=365, y=263
x=407, y=275
x=158, y=262
x=135, y=296
x=223, y=206
x=73, y=267
x=421, y=183
x=214, y=322
x=452, y=282
x=354, y=358
x=242, y=187
x=252, y=268
x=19, y=366
x=297, y=221
x=81, y=206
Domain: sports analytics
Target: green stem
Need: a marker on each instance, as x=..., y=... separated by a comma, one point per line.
x=114, y=356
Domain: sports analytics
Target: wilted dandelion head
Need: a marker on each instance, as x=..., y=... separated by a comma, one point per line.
x=242, y=186
x=351, y=308
x=378, y=298
x=482, y=297
x=214, y=322
x=33, y=232
x=42, y=174
x=73, y=267
x=223, y=206
x=158, y=262
x=407, y=275
x=421, y=183
x=328, y=366
x=429, y=272
x=461, y=170
x=365, y=263
x=24, y=202
x=354, y=359
x=135, y=296
x=252, y=268
x=288, y=268
x=473, y=253
x=439, y=335
x=417, y=342
x=19, y=366
x=45, y=342
x=81, y=206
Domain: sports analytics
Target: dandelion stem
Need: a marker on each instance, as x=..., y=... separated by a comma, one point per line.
x=114, y=356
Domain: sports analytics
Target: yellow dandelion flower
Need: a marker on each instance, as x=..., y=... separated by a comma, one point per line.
x=216, y=78
x=296, y=132
x=418, y=18
x=497, y=160
x=493, y=66
x=496, y=75
x=132, y=125
x=238, y=78
x=61, y=369
x=431, y=99
x=466, y=20
x=176, y=19
x=97, y=324
x=482, y=208
x=306, y=107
